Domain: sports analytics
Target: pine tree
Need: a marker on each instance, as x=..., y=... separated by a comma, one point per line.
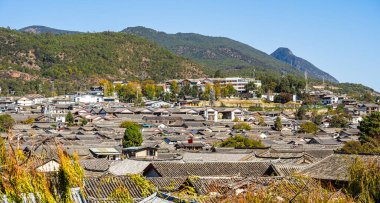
x=70, y=119
x=278, y=124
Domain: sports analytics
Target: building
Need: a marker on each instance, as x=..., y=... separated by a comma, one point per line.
x=237, y=82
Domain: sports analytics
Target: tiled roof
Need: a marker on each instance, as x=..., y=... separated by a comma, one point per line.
x=243, y=169
x=128, y=166
x=101, y=189
x=335, y=166
x=167, y=184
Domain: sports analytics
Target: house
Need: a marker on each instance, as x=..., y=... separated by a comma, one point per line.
x=140, y=152
x=87, y=98
x=24, y=101
x=210, y=169
x=190, y=145
x=49, y=166
x=158, y=104
x=369, y=108
x=166, y=120
x=108, y=153
x=329, y=99
x=222, y=114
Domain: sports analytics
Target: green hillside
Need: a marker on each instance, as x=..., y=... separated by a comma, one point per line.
x=76, y=60
x=215, y=52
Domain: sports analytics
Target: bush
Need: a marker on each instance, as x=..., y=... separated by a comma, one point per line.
x=364, y=180
x=6, y=122
x=241, y=126
x=255, y=108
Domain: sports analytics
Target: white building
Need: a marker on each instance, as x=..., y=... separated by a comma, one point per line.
x=87, y=98
x=24, y=101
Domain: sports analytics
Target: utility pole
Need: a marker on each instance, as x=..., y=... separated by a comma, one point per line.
x=306, y=85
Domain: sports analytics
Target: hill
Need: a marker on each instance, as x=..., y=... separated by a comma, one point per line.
x=285, y=55
x=219, y=52
x=37, y=29
x=76, y=60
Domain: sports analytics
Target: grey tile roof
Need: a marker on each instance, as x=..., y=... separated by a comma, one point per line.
x=243, y=169
x=335, y=167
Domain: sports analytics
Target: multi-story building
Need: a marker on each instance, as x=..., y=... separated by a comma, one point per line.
x=237, y=82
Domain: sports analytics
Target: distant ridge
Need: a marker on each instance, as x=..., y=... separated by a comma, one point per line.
x=224, y=53
x=38, y=29
x=286, y=55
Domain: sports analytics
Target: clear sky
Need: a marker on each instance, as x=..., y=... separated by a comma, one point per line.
x=342, y=37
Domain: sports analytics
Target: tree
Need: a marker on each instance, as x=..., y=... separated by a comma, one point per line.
x=218, y=90
x=70, y=119
x=301, y=113
x=229, y=90
x=283, y=98
x=242, y=126
x=278, y=124
x=250, y=86
x=338, y=121
x=218, y=74
x=370, y=127
x=108, y=87
x=148, y=89
x=308, y=127
x=83, y=122
x=195, y=91
x=6, y=122
x=132, y=134
x=240, y=141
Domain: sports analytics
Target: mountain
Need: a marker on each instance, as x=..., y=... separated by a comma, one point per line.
x=285, y=55
x=215, y=52
x=29, y=61
x=37, y=29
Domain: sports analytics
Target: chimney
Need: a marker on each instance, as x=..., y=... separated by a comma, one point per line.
x=190, y=140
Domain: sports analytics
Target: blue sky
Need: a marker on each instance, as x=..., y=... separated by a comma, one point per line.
x=341, y=36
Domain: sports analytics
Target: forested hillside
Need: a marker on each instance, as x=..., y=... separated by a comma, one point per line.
x=30, y=61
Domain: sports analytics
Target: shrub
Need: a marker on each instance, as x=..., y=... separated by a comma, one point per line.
x=242, y=126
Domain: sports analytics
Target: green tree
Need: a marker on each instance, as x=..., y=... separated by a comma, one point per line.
x=240, y=141
x=83, y=122
x=218, y=90
x=308, y=127
x=283, y=98
x=195, y=91
x=230, y=90
x=370, y=127
x=6, y=122
x=132, y=135
x=148, y=89
x=250, y=86
x=278, y=124
x=218, y=74
x=70, y=119
x=338, y=121
x=301, y=113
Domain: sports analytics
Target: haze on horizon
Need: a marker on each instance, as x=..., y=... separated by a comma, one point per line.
x=340, y=37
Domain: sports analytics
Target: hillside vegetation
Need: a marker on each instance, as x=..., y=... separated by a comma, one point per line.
x=215, y=52
x=29, y=61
